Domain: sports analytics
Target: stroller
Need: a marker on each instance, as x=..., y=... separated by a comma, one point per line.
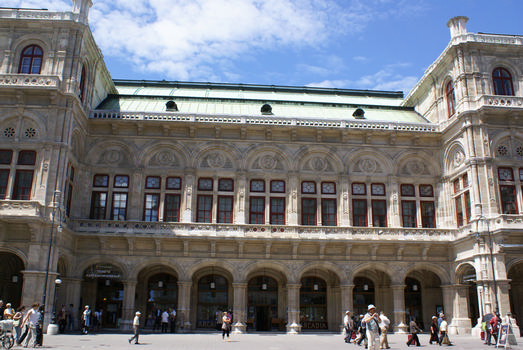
x=6, y=334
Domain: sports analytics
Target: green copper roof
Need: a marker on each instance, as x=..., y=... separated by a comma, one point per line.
x=247, y=100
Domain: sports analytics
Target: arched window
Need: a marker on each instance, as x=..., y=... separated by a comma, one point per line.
x=502, y=82
x=451, y=99
x=31, y=60
x=83, y=82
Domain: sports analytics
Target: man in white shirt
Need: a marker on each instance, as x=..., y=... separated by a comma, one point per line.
x=348, y=325
x=165, y=321
x=372, y=320
x=31, y=320
x=384, y=326
x=136, y=328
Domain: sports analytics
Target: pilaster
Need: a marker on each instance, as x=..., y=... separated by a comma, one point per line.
x=449, y=298
x=293, y=313
x=239, y=311
x=398, y=297
x=129, y=293
x=184, y=302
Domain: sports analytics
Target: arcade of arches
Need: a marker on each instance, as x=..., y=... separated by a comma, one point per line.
x=273, y=299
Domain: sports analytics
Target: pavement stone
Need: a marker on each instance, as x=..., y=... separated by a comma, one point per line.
x=250, y=341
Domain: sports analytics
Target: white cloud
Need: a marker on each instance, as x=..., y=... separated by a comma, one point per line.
x=203, y=39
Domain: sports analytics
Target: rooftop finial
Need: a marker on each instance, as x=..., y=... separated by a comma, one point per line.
x=457, y=25
x=82, y=7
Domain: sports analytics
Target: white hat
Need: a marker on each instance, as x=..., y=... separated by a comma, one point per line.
x=347, y=312
x=138, y=313
x=371, y=306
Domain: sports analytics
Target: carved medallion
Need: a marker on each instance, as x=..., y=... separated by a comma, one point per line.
x=268, y=162
x=415, y=167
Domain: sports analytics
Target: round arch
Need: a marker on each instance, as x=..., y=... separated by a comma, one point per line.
x=11, y=277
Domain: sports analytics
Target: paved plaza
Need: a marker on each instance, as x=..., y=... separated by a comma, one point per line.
x=256, y=341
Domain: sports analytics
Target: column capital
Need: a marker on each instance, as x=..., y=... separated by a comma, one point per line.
x=347, y=286
x=240, y=284
x=130, y=282
x=398, y=286
x=184, y=283
x=293, y=285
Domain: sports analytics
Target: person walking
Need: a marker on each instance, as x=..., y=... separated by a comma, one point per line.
x=71, y=318
x=31, y=320
x=372, y=321
x=413, y=330
x=434, y=330
x=136, y=327
x=361, y=330
x=384, y=327
x=226, y=326
x=443, y=336
x=86, y=319
x=494, y=328
x=348, y=325
x=17, y=323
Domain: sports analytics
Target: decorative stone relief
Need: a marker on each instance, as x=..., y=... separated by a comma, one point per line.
x=502, y=151
x=367, y=166
x=518, y=150
x=164, y=158
x=215, y=160
x=415, y=167
x=111, y=157
x=268, y=162
x=458, y=158
x=318, y=164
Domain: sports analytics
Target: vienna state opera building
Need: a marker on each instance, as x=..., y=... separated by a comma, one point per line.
x=286, y=205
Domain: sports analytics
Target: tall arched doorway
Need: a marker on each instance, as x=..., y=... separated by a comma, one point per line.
x=413, y=306
x=515, y=275
x=213, y=293
x=102, y=289
x=262, y=303
x=423, y=296
x=363, y=294
x=467, y=277
x=313, y=303
x=11, y=278
x=156, y=289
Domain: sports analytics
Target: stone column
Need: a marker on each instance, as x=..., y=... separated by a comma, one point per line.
x=240, y=307
x=346, y=300
x=184, y=305
x=449, y=297
x=503, y=297
x=129, y=294
x=293, y=313
x=398, y=297
x=73, y=290
x=461, y=321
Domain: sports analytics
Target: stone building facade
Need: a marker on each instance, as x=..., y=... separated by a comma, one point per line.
x=285, y=205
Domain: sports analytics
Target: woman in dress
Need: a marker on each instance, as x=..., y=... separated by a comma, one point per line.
x=226, y=326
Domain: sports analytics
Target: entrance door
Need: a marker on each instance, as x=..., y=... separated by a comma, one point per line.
x=263, y=319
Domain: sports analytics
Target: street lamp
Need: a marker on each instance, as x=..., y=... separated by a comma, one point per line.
x=491, y=248
x=56, y=208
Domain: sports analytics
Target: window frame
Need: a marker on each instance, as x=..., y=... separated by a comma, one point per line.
x=374, y=215
x=284, y=186
x=276, y=213
x=257, y=191
x=502, y=80
x=424, y=222
x=332, y=218
x=306, y=215
x=23, y=193
x=451, y=99
x=221, y=181
x=148, y=212
x=113, y=207
x=32, y=58
x=4, y=187
x=357, y=217
x=167, y=210
x=94, y=209
x=199, y=210
x=257, y=214
x=503, y=200
x=205, y=179
x=404, y=216
x=229, y=210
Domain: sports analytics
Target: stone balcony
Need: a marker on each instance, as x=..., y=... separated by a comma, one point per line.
x=200, y=230
x=21, y=210
x=498, y=101
x=15, y=13
x=36, y=81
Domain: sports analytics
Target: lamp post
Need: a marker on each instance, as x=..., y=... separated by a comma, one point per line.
x=491, y=248
x=56, y=208
x=57, y=283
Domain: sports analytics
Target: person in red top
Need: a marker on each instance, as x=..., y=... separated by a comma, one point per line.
x=494, y=327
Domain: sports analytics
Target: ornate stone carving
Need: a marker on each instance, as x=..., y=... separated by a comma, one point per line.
x=112, y=156
x=415, y=167
x=268, y=162
x=458, y=158
x=368, y=165
x=215, y=160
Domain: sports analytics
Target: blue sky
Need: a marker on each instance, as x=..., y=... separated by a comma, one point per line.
x=353, y=44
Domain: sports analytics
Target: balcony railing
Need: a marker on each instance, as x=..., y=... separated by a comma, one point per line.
x=500, y=101
x=25, y=210
x=265, y=120
x=201, y=230
x=29, y=81
x=12, y=13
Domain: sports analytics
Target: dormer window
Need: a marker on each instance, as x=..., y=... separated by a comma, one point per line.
x=171, y=106
x=359, y=113
x=502, y=81
x=266, y=109
x=451, y=99
x=31, y=60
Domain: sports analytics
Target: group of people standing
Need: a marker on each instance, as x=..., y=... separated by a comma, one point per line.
x=371, y=329
x=164, y=320
x=28, y=325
